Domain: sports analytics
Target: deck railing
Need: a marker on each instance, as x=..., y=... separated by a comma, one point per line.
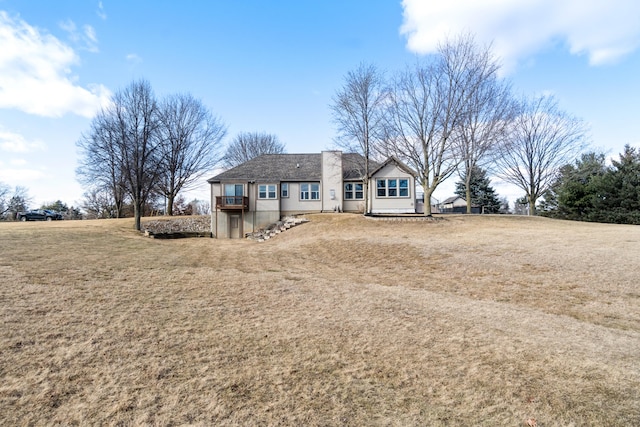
x=232, y=202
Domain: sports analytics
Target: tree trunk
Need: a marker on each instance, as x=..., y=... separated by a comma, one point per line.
x=367, y=205
x=137, y=209
x=427, y=199
x=468, y=194
x=532, y=197
x=367, y=196
x=532, y=207
x=170, y=200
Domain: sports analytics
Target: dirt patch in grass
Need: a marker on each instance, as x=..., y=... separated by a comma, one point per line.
x=346, y=321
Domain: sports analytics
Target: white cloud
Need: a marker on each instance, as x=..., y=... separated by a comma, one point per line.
x=100, y=12
x=16, y=143
x=35, y=74
x=70, y=27
x=604, y=31
x=86, y=40
x=133, y=58
x=20, y=176
x=90, y=34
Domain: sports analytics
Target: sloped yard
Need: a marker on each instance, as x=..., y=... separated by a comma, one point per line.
x=345, y=321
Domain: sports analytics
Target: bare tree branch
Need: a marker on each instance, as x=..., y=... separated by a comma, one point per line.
x=4, y=198
x=489, y=109
x=18, y=202
x=122, y=149
x=358, y=113
x=100, y=168
x=541, y=139
x=190, y=144
x=135, y=111
x=429, y=105
x=248, y=145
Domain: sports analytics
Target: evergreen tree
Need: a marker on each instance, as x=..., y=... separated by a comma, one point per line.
x=573, y=193
x=588, y=190
x=18, y=202
x=482, y=194
x=521, y=206
x=548, y=204
x=617, y=193
x=58, y=206
x=504, y=206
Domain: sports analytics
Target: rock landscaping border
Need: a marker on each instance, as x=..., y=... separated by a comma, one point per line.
x=403, y=217
x=178, y=227
x=275, y=228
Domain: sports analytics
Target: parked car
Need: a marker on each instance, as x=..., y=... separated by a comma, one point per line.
x=39, y=215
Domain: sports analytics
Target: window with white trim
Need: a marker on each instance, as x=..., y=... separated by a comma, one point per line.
x=267, y=191
x=284, y=190
x=392, y=187
x=309, y=191
x=403, y=188
x=353, y=191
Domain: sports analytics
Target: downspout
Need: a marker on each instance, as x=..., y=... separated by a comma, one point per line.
x=241, y=228
x=279, y=195
x=369, y=206
x=213, y=215
x=255, y=204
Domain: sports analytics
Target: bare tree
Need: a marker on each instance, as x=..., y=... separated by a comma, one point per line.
x=5, y=190
x=190, y=144
x=101, y=168
x=429, y=104
x=541, y=139
x=98, y=203
x=135, y=114
x=248, y=145
x=13, y=202
x=203, y=207
x=120, y=152
x=489, y=109
x=358, y=112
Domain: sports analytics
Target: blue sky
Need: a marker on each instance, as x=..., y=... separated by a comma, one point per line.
x=275, y=66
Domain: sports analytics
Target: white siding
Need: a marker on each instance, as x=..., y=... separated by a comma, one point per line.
x=332, y=188
x=353, y=206
x=393, y=204
x=293, y=204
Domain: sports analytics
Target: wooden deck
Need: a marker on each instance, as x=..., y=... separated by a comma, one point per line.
x=232, y=203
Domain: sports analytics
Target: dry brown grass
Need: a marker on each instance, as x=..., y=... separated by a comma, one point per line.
x=342, y=321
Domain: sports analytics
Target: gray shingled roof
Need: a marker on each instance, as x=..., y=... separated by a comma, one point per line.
x=398, y=162
x=289, y=167
x=353, y=166
x=451, y=199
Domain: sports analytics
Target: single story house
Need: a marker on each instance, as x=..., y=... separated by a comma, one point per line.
x=456, y=204
x=262, y=190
